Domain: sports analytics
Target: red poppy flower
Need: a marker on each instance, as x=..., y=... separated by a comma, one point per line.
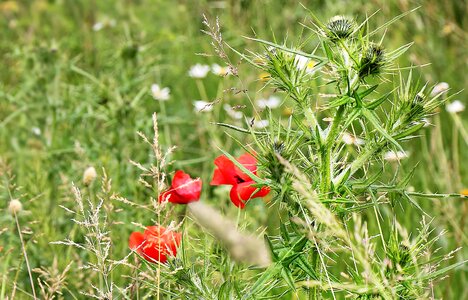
x=155, y=244
x=183, y=189
x=243, y=187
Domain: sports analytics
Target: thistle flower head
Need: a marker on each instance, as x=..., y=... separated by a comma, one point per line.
x=372, y=60
x=339, y=27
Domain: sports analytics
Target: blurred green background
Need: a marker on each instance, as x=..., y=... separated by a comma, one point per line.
x=75, y=84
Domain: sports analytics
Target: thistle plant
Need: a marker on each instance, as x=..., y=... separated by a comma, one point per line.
x=323, y=187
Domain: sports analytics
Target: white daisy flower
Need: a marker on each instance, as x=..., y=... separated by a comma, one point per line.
x=199, y=71
x=162, y=94
x=350, y=139
x=395, y=156
x=105, y=23
x=260, y=124
x=304, y=63
x=455, y=107
x=202, y=106
x=36, y=130
x=221, y=71
x=98, y=26
x=232, y=113
x=440, y=88
x=271, y=102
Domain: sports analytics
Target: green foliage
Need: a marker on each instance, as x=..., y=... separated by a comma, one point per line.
x=75, y=89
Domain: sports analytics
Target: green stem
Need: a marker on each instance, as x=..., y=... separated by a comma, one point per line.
x=326, y=165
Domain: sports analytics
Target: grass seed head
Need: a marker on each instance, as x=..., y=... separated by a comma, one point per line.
x=15, y=206
x=89, y=176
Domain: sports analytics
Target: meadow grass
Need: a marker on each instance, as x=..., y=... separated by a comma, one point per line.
x=75, y=89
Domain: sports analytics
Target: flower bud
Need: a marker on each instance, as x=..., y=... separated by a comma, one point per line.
x=372, y=61
x=89, y=176
x=15, y=206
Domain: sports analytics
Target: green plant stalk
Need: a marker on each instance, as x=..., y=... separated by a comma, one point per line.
x=326, y=165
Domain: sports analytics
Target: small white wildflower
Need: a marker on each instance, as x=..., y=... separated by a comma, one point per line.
x=232, y=113
x=202, y=106
x=271, y=102
x=440, y=88
x=106, y=22
x=89, y=176
x=395, y=156
x=199, y=71
x=36, y=130
x=455, y=107
x=260, y=124
x=350, y=139
x=304, y=63
x=15, y=206
x=98, y=26
x=221, y=71
x=162, y=94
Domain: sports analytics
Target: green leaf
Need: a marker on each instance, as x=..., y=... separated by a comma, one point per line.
x=365, y=93
x=376, y=103
x=408, y=131
x=340, y=101
x=286, y=49
x=240, y=129
x=302, y=263
x=327, y=50
x=414, y=203
x=272, y=248
x=372, y=118
x=442, y=271
x=287, y=276
x=261, y=283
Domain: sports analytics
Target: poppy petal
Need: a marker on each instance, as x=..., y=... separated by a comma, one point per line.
x=188, y=189
x=171, y=196
x=225, y=173
x=235, y=199
x=135, y=241
x=218, y=178
x=250, y=163
x=247, y=190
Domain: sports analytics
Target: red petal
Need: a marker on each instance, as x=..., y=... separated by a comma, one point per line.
x=234, y=195
x=250, y=163
x=135, y=241
x=171, y=196
x=160, y=243
x=188, y=189
x=226, y=172
x=262, y=193
x=245, y=191
x=153, y=253
x=218, y=178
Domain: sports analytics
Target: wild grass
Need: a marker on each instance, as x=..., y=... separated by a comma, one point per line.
x=75, y=91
